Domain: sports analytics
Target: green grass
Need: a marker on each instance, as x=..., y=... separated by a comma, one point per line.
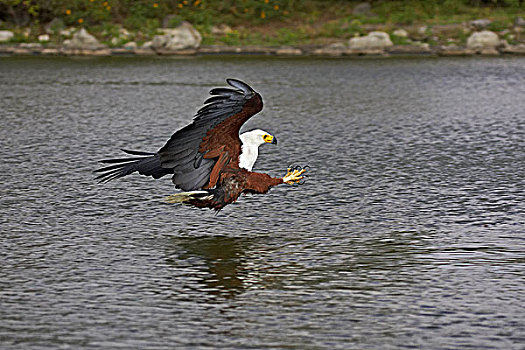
x=254, y=22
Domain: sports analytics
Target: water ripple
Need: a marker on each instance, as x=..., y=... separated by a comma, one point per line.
x=407, y=234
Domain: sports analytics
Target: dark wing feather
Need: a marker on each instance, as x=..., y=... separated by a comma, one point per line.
x=192, y=152
x=147, y=164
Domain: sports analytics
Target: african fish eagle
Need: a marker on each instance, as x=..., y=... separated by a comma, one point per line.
x=208, y=158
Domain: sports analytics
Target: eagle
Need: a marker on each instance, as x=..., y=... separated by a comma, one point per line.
x=208, y=159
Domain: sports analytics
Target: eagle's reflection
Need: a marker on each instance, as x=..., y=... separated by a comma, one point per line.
x=224, y=261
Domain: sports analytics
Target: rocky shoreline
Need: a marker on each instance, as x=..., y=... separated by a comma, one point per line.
x=185, y=40
x=278, y=51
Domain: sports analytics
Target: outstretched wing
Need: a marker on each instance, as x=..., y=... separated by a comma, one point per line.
x=198, y=152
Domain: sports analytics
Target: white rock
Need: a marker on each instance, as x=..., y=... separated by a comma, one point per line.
x=185, y=36
x=67, y=31
x=514, y=49
x=422, y=30
x=484, y=39
x=374, y=40
x=147, y=45
x=130, y=45
x=480, y=23
x=6, y=35
x=124, y=33
x=43, y=37
x=221, y=29
x=401, y=33
x=159, y=41
x=337, y=46
x=288, y=51
x=82, y=40
x=30, y=45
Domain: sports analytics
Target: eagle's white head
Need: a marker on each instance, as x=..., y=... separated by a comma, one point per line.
x=251, y=141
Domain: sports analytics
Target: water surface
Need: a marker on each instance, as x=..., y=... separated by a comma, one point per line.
x=408, y=233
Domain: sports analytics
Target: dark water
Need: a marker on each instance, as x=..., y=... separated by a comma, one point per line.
x=410, y=232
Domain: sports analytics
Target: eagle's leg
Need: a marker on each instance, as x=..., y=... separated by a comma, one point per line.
x=293, y=175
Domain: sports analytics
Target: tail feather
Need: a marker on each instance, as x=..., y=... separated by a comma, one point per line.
x=118, y=160
x=137, y=153
x=148, y=164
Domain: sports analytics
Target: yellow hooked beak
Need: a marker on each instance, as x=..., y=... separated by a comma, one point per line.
x=270, y=139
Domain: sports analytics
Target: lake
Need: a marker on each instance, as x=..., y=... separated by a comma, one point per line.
x=409, y=232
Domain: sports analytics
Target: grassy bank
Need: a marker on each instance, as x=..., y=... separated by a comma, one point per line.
x=248, y=22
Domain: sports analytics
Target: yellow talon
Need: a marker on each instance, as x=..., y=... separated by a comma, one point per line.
x=293, y=177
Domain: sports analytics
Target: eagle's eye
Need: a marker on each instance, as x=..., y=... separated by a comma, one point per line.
x=267, y=138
